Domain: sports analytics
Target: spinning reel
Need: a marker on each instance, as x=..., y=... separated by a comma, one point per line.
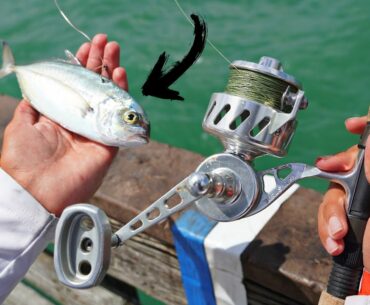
x=256, y=115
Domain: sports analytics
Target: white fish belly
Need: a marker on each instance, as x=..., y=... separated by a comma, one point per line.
x=58, y=101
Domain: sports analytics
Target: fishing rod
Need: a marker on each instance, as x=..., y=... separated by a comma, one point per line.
x=256, y=115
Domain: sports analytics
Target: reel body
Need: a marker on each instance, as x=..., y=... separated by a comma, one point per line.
x=245, y=125
x=248, y=128
x=224, y=187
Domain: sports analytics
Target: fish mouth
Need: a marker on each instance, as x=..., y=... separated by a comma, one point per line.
x=146, y=134
x=139, y=139
x=143, y=137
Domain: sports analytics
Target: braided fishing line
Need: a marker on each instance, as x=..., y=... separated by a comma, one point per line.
x=257, y=87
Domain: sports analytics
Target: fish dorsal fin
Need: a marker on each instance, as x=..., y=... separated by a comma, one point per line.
x=71, y=58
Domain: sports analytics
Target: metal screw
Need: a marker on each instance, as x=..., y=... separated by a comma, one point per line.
x=199, y=184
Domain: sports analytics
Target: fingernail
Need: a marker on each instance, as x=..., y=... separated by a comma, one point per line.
x=335, y=226
x=100, y=36
x=322, y=158
x=350, y=119
x=331, y=246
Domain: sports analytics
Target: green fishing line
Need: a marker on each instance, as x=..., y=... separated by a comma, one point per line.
x=257, y=87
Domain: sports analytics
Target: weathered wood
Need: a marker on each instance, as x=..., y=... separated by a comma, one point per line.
x=150, y=265
x=43, y=276
x=23, y=294
x=287, y=256
x=260, y=295
x=327, y=299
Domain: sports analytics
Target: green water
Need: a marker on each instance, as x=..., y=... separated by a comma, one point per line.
x=325, y=44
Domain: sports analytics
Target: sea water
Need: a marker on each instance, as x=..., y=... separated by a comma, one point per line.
x=324, y=44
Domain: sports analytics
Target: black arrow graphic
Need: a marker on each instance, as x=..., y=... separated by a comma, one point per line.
x=158, y=81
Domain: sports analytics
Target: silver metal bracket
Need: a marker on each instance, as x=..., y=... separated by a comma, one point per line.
x=300, y=171
x=177, y=199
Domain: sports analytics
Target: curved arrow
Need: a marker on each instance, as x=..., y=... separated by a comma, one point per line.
x=159, y=81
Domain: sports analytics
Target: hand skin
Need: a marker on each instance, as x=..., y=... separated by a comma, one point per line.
x=57, y=167
x=332, y=221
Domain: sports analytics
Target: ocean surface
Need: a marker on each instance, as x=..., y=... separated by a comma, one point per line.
x=324, y=44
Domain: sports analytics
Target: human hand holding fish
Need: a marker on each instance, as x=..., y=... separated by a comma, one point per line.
x=56, y=166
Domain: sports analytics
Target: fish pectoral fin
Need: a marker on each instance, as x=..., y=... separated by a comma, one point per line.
x=71, y=58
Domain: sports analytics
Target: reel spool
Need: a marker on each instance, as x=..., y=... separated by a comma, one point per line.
x=256, y=114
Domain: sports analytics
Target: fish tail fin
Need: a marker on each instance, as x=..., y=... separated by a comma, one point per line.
x=8, y=60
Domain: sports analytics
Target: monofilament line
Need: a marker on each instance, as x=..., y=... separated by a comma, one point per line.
x=79, y=31
x=208, y=41
x=70, y=22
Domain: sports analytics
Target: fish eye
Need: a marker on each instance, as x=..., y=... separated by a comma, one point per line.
x=130, y=117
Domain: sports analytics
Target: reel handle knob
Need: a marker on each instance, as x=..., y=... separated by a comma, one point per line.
x=82, y=246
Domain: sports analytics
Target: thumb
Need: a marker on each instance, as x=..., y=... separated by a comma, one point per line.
x=25, y=114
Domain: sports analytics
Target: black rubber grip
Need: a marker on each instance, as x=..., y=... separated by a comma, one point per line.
x=360, y=205
x=343, y=281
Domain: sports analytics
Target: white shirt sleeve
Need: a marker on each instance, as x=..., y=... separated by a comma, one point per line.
x=358, y=300
x=25, y=230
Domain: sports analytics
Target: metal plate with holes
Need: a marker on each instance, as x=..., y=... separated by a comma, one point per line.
x=82, y=246
x=249, y=184
x=249, y=128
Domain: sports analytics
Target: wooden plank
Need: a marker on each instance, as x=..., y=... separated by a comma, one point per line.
x=43, y=276
x=23, y=294
x=150, y=265
x=287, y=256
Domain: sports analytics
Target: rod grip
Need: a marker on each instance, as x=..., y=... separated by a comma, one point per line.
x=347, y=269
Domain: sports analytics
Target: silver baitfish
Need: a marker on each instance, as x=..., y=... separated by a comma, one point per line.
x=80, y=100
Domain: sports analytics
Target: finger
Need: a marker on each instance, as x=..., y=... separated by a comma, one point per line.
x=341, y=162
x=367, y=159
x=25, y=114
x=120, y=78
x=356, y=124
x=332, y=223
x=111, y=58
x=94, y=61
x=83, y=53
x=366, y=247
